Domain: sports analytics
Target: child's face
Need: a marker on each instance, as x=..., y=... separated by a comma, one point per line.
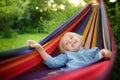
x=71, y=42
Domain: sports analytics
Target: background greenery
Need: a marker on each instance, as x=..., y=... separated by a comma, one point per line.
x=34, y=19
x=113, y=10
x=20, y=40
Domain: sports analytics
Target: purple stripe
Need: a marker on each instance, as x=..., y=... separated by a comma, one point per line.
x=100, y=39
x=84, y=23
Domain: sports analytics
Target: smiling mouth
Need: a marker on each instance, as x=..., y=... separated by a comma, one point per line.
x=73, y=43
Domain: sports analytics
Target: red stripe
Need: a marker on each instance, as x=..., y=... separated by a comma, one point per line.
x=88, y=73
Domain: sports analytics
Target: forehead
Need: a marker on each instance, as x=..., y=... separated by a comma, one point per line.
x=66, y=36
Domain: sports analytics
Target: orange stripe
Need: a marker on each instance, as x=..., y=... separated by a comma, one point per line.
x=104, y=42
x=4, y=62
x=19, y=61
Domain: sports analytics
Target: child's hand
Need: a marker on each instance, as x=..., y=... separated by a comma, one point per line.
x=33, y=44
x=105, y=53
x=39, y=48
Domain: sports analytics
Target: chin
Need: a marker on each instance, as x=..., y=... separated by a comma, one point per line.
x=76, y=49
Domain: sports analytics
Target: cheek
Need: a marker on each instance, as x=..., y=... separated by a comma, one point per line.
x=66, y=47
x=69, y=48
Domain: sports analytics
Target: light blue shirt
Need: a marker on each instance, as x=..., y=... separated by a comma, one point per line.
x=74, y=60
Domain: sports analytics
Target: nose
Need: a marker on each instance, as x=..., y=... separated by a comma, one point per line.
x=70, y=40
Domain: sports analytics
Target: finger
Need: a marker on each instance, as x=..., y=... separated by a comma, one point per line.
x=102, y=53
x=29, y=41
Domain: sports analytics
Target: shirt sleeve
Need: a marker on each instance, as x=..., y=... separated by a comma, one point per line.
x=94, y=52
x=56, y=62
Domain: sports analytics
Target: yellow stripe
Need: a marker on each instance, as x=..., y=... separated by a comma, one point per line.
x=104, y=42
x=95, y=32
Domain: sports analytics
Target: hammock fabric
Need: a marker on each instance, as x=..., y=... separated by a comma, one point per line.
x=26, y=64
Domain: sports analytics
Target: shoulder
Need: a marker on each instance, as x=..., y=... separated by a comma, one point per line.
x=61, y=55
x=91, y=49
x=94, y=49
x=69, y=53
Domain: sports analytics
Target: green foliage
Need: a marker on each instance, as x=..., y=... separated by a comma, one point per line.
x=113, y=10
x=114, y=17
x=42, y=17
x=33, y=16
x=58, y=18
x=9, y=10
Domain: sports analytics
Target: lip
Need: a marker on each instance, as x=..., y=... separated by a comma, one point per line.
x=73, y=43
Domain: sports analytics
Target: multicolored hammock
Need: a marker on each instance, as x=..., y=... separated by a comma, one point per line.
x=26, y=64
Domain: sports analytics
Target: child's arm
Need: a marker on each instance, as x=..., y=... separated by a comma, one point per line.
x=39, y=48
x=106, y=53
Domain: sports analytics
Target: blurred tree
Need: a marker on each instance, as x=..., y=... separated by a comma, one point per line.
x=116, y=28
x=113, y=10
x=28, y=15
x=87, y=1
x=9, y=10
x=37, y=12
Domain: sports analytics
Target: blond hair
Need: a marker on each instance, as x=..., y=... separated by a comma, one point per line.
x=62, y=48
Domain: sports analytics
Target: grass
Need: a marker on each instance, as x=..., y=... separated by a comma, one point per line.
x=19, y=41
